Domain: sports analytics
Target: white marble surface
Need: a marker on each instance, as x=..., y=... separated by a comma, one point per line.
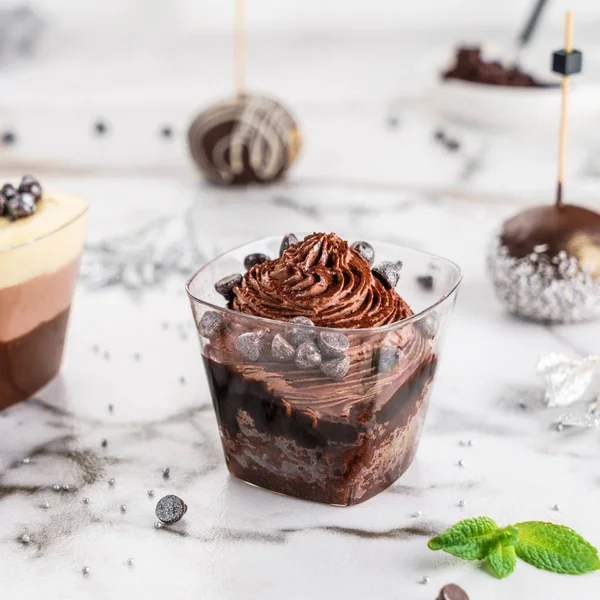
x=241, y=542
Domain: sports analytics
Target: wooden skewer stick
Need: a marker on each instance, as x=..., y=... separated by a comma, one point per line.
x=239, y=48
x=564, y=115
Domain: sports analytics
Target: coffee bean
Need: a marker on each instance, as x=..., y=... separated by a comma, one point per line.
x=255, y=259
x=225, y=286
x=388, y=273
x=336, y=368
x=288, y=240
x=210, y=324
x=307, y=356
x=297, y=335
x=333, y=344
x=365, y=250
x=281, y=349
x=250, y=345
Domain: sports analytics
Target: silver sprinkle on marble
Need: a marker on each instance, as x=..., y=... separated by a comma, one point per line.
x=556, y=507
x=559, y=427
x=130, y=562
x=566, y=379
x=151, y=493
x=417, y=513
x=104, y=443
x=56, y=487
x=26, y=461
x=25, y=539
x=158, y=525
x=85, y=570
x=111, y=481
x=66, y=487
x=424, y=580
x=461, y=463
x=549, y=289
x=461, y=503
x=123, y=508
x=86, y=500
x=166, y=473
x=45, y=505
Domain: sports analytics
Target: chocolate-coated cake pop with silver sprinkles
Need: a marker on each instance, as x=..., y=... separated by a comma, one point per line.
x=170, y=509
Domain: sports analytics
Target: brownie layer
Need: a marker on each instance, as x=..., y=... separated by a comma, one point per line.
x=295, y=451
x=30, y=361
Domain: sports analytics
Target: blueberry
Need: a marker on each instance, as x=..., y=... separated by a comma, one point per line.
x=30, y=185
x=8, y=191
x=336, y=368
x=170, y=509
x=225, y=286
x=255, y=259
x=22, y=205
x=2, y=205
x=287, y=241
x=426, y=282
x=250, y=345
x=307, y=356
x=388, y=273
x=210, y=324
x=333, y=344
x=297, y=335
x=281, y=349
x=365, y=250
x=386, y=358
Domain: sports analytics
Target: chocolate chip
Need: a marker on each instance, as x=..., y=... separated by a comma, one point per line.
x=225, y=286
x=452, y=592
x=8, y=191
x=388, y=273
x=336, y=368
x=21, y=206
x=170, y=509
x=297, y=335
x=255, y=259
x=426, y=282
x=250, y=345
x=30, y=185
x=386, y=358
x=8, y=138
x=100, y=127
x=333, y=344
x=210, y=324
x=307, y=356
x=287, y=241
x=281, y=349
x=365, y=250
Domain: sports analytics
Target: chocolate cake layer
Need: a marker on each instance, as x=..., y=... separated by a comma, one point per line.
x=29, y=362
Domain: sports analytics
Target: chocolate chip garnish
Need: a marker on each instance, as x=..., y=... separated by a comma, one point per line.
x=281, y=349
x=250, y=345
x=22, y=205
x=170, y=509
x=333, y=344
x=287, y=241
x=386, y=358
x=388, y=273
x=8, y=191
x=452, y=592
x=307, y=356
x=225, y=286
x=8, y=138
x=210, y=324
x=297, y=335
x=255, y=259
x=336, y=368
x=426, y=282
x=30, y=185
x=365, y=250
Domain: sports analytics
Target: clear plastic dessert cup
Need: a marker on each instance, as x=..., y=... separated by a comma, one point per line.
x=339, y=432
x=37, y=280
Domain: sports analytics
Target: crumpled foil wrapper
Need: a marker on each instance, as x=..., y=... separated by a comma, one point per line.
x=566, y=379
x=144, y=257
x=543, y=288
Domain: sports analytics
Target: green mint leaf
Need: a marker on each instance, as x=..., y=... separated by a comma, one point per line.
x=507, y=536
x=555, y=548
x=469, y=539
x=502, y=559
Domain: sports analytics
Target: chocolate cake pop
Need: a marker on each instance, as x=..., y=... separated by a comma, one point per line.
x=248, y=139
x=545, y=262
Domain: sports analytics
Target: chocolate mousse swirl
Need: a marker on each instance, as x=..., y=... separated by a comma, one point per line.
x=321, y=278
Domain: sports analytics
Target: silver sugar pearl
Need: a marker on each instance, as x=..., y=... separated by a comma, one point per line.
x=85, y=570
x=45, y=505
x=123, y=508
x=111, y=481
x=56, y=487
x=461, y=463
x=151, y=493
x=559, y=427
x=417, y=513
x=461, y=503
x=166, y=473
x=424, y=580
x=66, y=487
x=26, y=461
x=130, y=562
x=25, y=539
x=556, y=507
x=86, y=500
x=158, y=525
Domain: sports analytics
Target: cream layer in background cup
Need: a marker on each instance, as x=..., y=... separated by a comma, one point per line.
x=39, y=259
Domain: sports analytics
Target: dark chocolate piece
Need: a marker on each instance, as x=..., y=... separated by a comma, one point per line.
x=307, y=356
x=426, y=282
x=225, y=286
x=336, y=368
x=297, y=335
x=333, y=344
x=365, y=250
x=255, y=259
x=281, y=349
x=170, y=509
x=388, y=273
x=210, y=324
x=288, y=240
x=452, y=592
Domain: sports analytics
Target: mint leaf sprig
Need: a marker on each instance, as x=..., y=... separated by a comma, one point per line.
x=546, y=546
